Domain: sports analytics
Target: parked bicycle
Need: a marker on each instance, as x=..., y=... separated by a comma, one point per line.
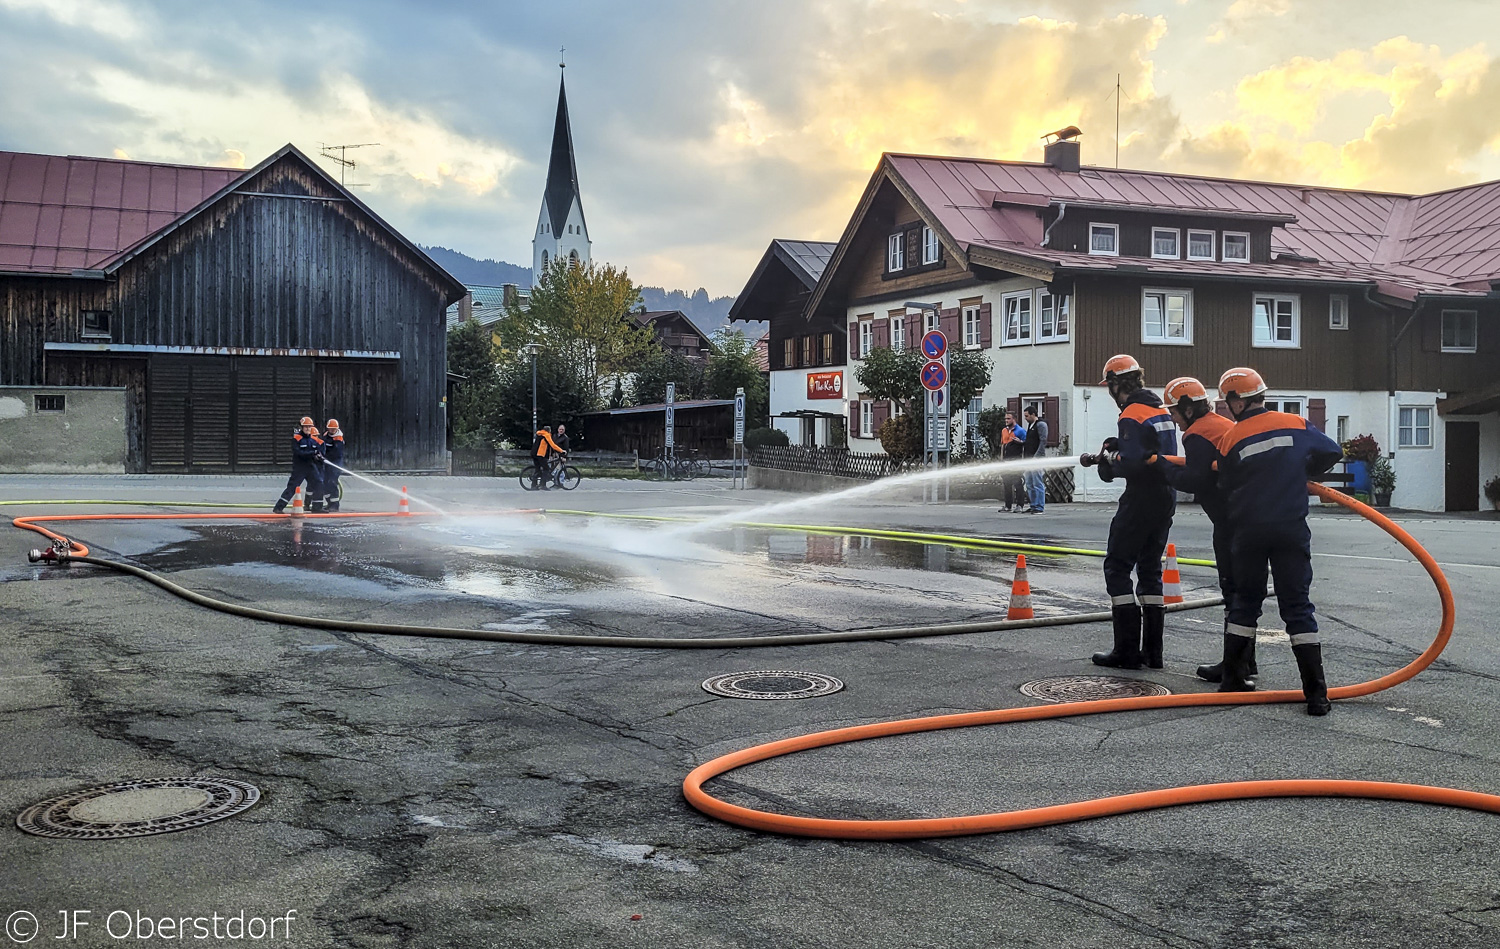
x=562, y=475
x=677, y=466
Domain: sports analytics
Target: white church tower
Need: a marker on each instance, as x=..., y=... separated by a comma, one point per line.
x=560, y=229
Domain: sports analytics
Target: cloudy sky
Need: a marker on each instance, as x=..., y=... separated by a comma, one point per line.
x=705, y=128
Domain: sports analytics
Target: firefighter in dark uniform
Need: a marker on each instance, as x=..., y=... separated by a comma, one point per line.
x=333, y=452
x=1266, y=461
x=306, y=455
x=1197, y=473
x=1138, y=533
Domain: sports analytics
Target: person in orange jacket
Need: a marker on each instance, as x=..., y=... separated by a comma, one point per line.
x=307, y=453
x=543, y=450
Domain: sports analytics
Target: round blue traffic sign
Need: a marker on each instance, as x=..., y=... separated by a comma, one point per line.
x=934, y=344
x=934, y=376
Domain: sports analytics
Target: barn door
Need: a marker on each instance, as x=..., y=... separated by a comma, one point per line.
x=168, y=388
x=270, y=396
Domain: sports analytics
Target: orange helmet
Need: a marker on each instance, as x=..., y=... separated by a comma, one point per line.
x=1241, y=383
x=1119, y=366
x=306, y=421
x=332, y=423
x=1184, y=389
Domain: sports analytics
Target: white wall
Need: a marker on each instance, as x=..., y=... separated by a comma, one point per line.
x=1489, y=453
x=559, y=245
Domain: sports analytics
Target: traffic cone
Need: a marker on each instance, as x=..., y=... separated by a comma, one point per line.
x=405, y=506
x=1020, y=593
x=1171, y=579
x=297, y=502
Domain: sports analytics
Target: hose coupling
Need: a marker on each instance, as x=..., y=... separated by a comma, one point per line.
x=58, y=553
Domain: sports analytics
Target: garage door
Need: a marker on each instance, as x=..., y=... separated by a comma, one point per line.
x=224, y=413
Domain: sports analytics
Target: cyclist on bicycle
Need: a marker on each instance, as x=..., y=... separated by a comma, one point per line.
x=543, y=450
x=563, y=447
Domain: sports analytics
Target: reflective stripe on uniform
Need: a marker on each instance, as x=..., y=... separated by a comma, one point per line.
x=1166, y=425
x=1304, y=639
x=1235, y=630
x=1125, y=600
x=1148, y=599
x=1280, y=441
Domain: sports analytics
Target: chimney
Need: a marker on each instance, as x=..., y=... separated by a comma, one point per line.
x=1063, y=151
x=510, y=294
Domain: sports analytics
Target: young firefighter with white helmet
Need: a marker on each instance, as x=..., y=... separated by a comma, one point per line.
x=333, y=451
x=1196, y=473
x=1266, y=461
x=307, y=453
x=1138, y=533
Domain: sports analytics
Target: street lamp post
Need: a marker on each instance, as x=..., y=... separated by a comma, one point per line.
x=531, y=349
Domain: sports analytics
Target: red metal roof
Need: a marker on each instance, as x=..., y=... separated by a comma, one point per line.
x=1448, y=241
x=60, y=214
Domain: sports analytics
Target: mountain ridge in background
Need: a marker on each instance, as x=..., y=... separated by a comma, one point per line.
x=709, y=314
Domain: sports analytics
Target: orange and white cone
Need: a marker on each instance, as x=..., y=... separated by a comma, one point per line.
x=1171, y=578
x=405, y=506
x=297, y=503
x=1020, y=593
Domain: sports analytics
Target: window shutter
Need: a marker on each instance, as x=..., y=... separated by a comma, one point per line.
x=1317, y=413
x=1013, y=406
x=952, y=324
x=1051, y=409
x=854, y=419
x=913, y=248
x=880, y=334
x=854, y=341
x=1222, y=408
x=984, y=326
x=881, y=413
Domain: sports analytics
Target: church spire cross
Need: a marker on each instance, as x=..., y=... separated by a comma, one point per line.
x=562, y=59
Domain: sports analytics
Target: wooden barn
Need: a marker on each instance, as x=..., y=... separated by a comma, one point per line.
x=229, y=303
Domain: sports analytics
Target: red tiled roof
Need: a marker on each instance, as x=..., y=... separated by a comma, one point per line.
x=60, y=214
x=1437, y=243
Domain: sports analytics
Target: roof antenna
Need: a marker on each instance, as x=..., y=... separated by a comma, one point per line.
x=1118, y=95
x=344, y=163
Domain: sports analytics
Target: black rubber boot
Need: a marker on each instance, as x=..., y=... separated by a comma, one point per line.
x=1314, y=686
x=1153, y=620
x=279, y=508
x=1127, y=651
x=1235, y=676
x=1215, y=672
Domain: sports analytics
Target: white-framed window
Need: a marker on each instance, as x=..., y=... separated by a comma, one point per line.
x=866, y=419
x=898, y=332
x=1414, y=429
x=929, y=245
x=1460, y=331
x=1338, y=312
x=1236, y=246
x=898, y=408
x=1104, y=239
x=866, y=336
x=96, y=323
x=930, y=320
x=1166, y=243
x=1289, y=406
x=972, y=328
x=1276, y=321
x=1016, y=308
x=1167, y=317
x=895, y=252
x=1051, y=317
x=1200, y=245
x=1342, y=428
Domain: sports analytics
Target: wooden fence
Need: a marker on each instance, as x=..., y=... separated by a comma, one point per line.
x=827, y=461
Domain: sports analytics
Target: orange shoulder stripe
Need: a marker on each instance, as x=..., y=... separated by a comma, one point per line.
x=1137, y=412
x=1259, y=425
x=1211, y=426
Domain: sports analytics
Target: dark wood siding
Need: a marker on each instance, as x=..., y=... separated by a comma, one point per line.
x=1107, y=320
x=1072, y=232
x=356, y=393
x=38, y=310
x=868, y=280
x=1421, y=364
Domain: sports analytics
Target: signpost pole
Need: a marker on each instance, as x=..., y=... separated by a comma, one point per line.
x=668, y=450
x=740, y=480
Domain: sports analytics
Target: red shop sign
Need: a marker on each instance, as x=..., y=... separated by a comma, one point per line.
x=825, y=385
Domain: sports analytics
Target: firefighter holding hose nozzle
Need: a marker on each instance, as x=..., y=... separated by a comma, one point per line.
x=333, y=451
x=1267, y=458
x=1197, y=473
x=307, y=455
x=1138, y=532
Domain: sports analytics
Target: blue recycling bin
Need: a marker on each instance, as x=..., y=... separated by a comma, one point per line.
x=1359, y=474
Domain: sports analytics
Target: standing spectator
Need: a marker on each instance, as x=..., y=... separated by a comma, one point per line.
x=1035, y=446
x=1012, y=441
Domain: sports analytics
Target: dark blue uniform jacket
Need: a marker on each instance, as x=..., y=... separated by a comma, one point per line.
x=308, y=450
x=1197, y=474
x=1145, y=429
x=1267, y=460
x=333, y=450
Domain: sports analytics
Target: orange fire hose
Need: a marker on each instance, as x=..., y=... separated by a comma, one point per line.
x=692, y=787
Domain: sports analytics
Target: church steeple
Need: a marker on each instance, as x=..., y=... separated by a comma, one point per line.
x=561, y=228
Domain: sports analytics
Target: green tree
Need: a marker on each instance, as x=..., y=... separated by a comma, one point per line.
x=561, y=399
x=897, y=375
x=659, y=367
x=472, y=355
x=580, y=314
x=733, y=366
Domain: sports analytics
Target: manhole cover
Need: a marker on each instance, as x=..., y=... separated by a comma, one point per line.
x=1090, y=688
x=772, y=684
x=138, y=808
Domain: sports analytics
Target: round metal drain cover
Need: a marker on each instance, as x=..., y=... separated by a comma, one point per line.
x=138, y=808
x=1090, y=688
x=772, y=684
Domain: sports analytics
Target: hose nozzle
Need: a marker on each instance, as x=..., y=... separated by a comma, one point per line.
x=57, y=553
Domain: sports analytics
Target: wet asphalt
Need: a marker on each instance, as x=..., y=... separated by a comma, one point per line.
x=423, y=792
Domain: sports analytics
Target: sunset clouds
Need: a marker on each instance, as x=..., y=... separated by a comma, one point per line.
x=704, y=130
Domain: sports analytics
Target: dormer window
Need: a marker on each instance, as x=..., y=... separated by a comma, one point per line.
x=1165, y=243
x=1200, y=245
x=929, y=246
x=1236, y=246
x=895, y=253
x=1104, y=240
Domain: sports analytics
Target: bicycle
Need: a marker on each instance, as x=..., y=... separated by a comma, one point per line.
x=563, y=476
x=676, y=467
